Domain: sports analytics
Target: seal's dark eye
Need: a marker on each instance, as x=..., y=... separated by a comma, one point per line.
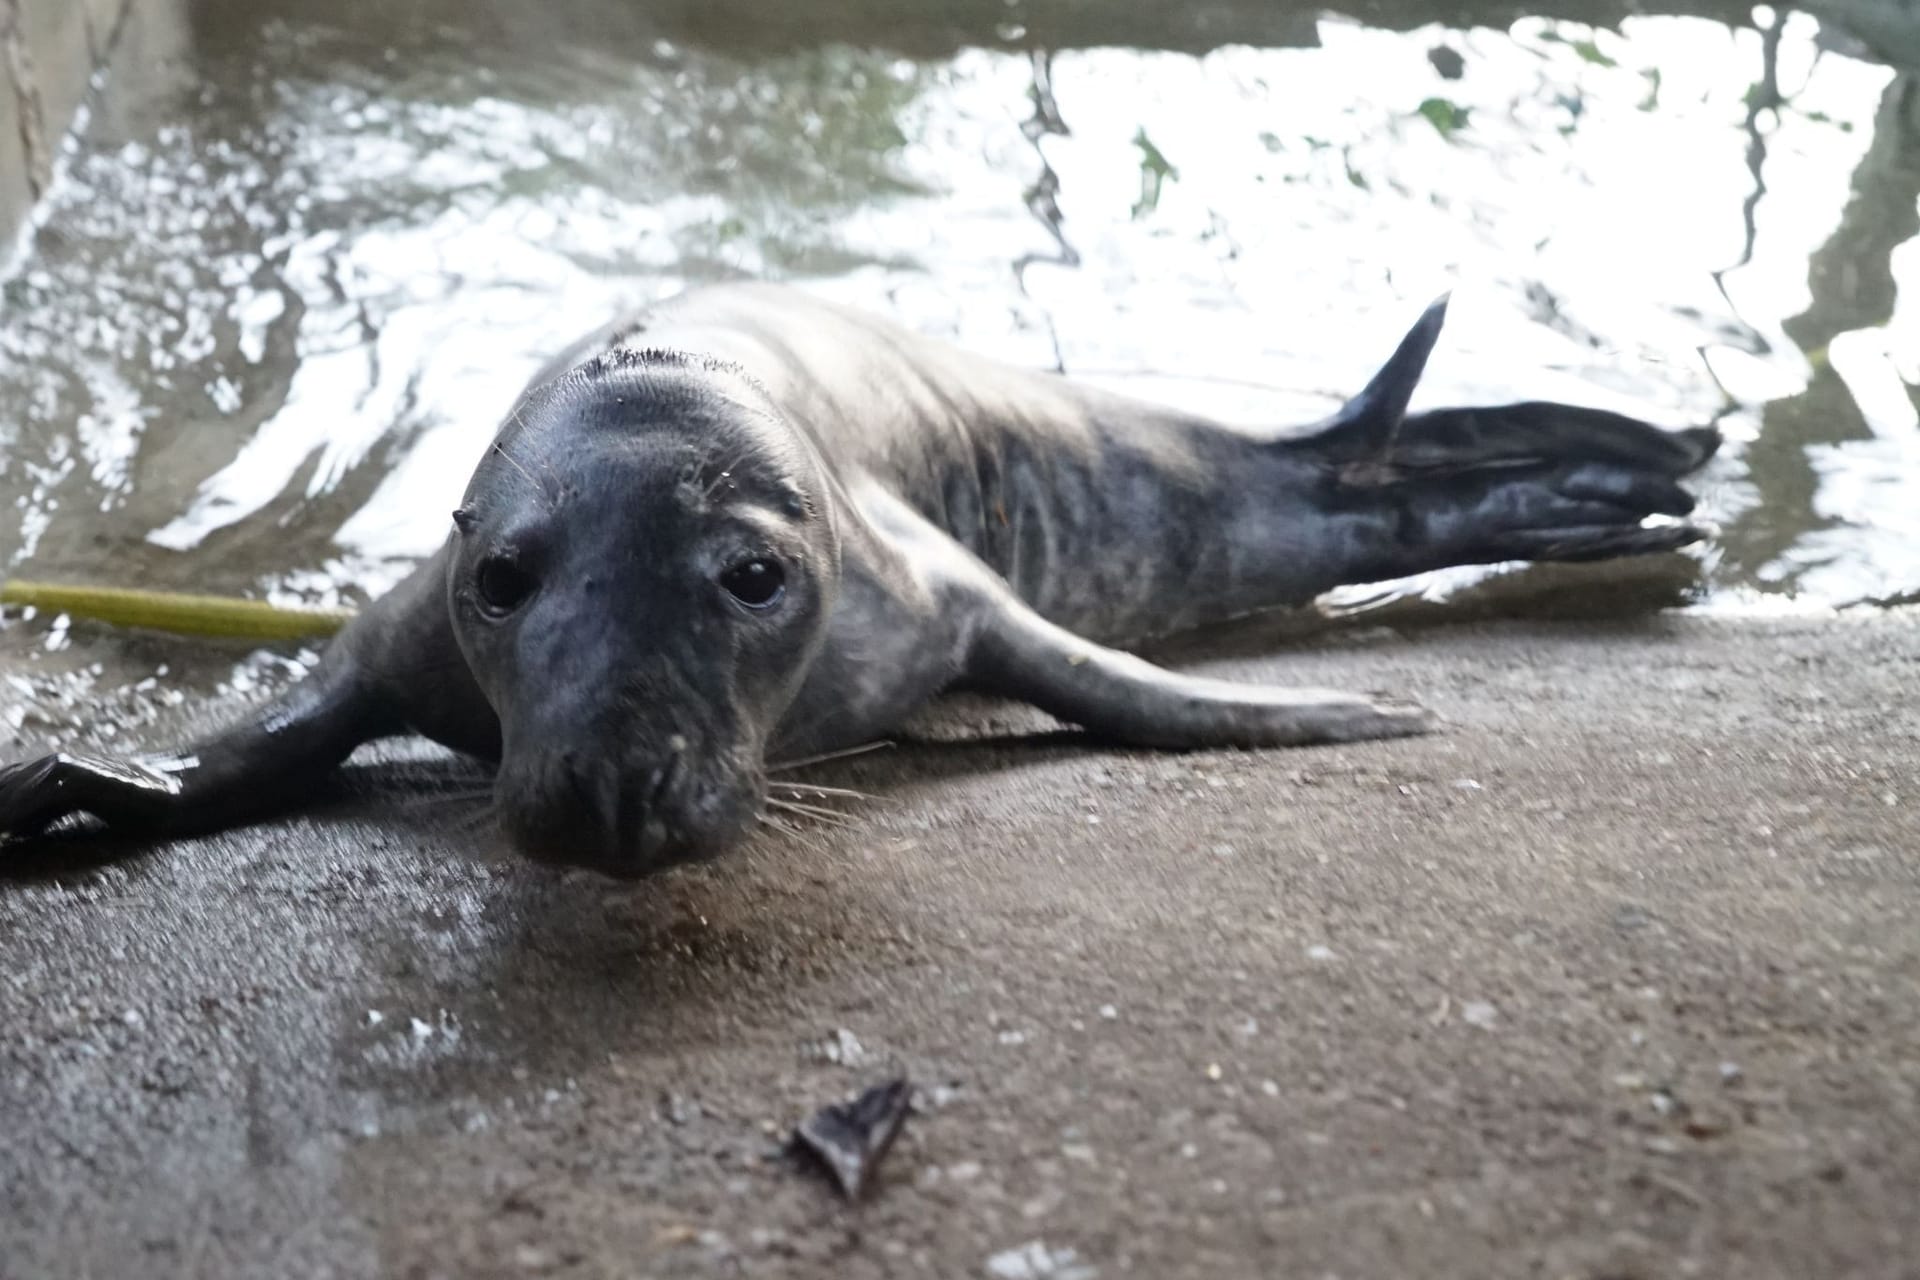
x=503, y=583
x=756, y=583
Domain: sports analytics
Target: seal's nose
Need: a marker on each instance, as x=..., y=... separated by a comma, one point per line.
x=576, y=810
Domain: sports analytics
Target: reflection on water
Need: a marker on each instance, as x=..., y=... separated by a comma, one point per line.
x=308, y=252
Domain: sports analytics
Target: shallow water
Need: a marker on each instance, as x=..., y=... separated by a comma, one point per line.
x=306, y=252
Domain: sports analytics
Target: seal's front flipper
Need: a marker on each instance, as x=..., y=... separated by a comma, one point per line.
x=1016, y=653
x=36, y=794
x=396, y=667
x=263, y=764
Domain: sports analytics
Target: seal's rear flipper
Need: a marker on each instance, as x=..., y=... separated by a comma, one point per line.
x=1374, y=431
x=1528, y=481
x=1568, y=506
x=1543, y=431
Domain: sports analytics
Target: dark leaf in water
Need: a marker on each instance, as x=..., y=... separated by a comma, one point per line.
x=1445, y=116
x=1155, y=172
x=1354, y=176
x=1593, y=53
x=851, y=1139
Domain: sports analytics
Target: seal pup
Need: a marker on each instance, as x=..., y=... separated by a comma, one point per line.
x=746, y=524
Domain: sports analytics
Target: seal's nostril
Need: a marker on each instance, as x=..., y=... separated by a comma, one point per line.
x=660, y=778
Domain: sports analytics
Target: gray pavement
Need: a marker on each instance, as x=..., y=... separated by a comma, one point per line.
x=1617, y=977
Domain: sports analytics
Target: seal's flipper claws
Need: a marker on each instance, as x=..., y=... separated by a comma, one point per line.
x=39, y=794
x=27, y=797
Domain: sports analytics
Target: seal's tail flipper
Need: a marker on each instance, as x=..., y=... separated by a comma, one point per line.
x=1543, y=431
x=1529, y=481
x=1375, y=429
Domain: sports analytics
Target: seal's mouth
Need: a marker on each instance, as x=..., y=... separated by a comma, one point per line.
x=623, y=821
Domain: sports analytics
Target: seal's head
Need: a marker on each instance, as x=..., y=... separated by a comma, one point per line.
x=641, y=573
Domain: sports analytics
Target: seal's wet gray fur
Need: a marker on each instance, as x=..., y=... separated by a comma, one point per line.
x=937, y=520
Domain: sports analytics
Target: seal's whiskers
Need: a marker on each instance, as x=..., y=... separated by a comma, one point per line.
x=464, y=796
x=785, y=766
x=815, y=789
x=813, y=811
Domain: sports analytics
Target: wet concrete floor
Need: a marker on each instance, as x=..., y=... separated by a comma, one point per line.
x=1616, y=977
